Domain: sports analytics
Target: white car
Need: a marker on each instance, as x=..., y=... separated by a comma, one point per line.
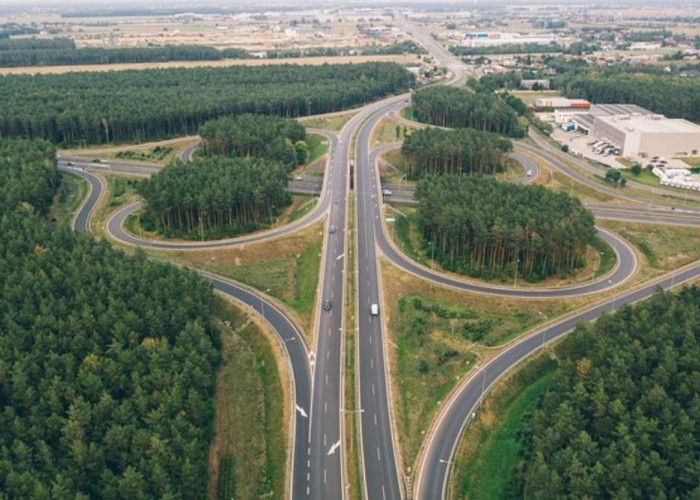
x=528, y=173
x=374, y=310
x=386, y=192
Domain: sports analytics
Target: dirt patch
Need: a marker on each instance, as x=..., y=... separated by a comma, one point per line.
x=224, y=63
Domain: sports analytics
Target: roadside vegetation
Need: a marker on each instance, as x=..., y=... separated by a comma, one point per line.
x=457, y=108
x=124, y=409
x=70, y=194
x=160, y=152
x=663, y=247
x=462, y=151
x=284, y=268
x=389, y=130
x=437, y=335
x=158, y=373
x=490, y=447
x=119, y=191
x=621, y=415
x=351, y=416
x=406, y=233
x=233, y=196
x=157, y=153
x=274, y=138
x=248, y=455
x=333, y=122
x=317, y=147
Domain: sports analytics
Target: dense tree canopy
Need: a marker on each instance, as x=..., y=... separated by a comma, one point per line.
x=28, y=174
x=507, y=48
x=106, y=369
x=70, y=56
x=438, y=151
x=270, y=137
x=622, y=418
x=36, y=44
x=405, y=47
x=457, y=107
x=487, y=228
x=62, y=51
x=154, y=104
x=214, y=196
x=107, y=363
x=676, y=97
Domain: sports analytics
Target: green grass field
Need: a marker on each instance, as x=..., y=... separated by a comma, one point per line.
x=490, y=449
x=251, y=442
x=306, y=204
x=333, y=123
x=644, y=177
x=318, y=146
x=607, y=257
x=664, y=247
x=291, y=278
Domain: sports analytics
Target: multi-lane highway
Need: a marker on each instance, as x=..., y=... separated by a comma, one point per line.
x=437, y=457
x=377, y=436
x=317, y=468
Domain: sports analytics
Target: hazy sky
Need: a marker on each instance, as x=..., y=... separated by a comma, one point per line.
x=104, y=4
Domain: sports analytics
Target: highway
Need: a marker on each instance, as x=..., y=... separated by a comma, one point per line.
x=289, y=337
x=626, y=258
x=585, y=166
x=306, y=185
x=317, y=467
x=377, y=436
x=437, y=457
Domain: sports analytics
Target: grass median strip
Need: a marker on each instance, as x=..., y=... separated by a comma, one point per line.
x=249, y=452
x=489, y=450
x=351, y=415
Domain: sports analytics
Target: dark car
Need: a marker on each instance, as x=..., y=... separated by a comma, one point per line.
x=327, y=305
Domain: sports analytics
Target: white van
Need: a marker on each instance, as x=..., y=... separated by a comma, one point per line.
x=374, y=310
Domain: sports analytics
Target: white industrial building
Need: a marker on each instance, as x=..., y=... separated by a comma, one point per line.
x=638, y=132
x=489, y=39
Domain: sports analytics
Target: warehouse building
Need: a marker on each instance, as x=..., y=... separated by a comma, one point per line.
x=638, y=132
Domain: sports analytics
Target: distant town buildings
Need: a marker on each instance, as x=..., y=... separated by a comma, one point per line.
x=488, y=39
x=540, y=84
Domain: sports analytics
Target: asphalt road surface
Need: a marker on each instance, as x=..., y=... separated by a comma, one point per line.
x=283, y=327
x=379, y=459
x=115, y=224
x=437, y=460
x=627, y=265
